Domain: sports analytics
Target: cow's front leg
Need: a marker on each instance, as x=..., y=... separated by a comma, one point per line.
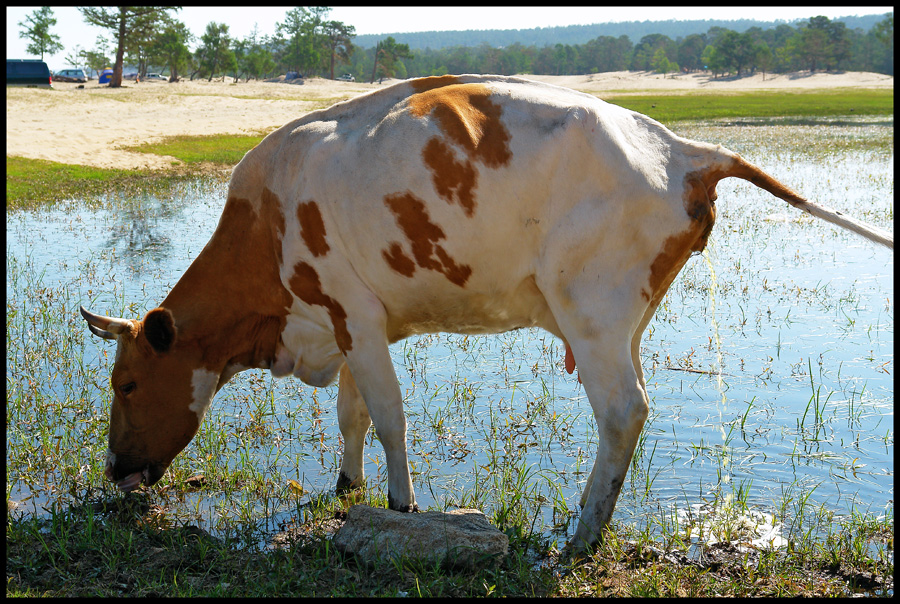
x=370, y=364
x=354, y=422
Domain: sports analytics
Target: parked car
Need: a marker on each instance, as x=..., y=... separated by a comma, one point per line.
x=150, y=77
x=28, y=72
x=70, y=75
x=346, y=78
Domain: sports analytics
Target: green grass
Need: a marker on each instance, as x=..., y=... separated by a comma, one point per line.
x=668, y=108
x=224, y=149
x=30, y=182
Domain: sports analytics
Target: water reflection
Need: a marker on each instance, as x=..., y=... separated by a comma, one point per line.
x=136, y=232
x=141, y=231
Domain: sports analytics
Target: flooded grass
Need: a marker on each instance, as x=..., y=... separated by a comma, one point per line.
x=775, y=478
x=35, y=183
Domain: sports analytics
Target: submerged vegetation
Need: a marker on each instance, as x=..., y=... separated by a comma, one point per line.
x=785, y=489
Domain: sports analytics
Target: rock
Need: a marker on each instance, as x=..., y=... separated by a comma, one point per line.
x=462, y=537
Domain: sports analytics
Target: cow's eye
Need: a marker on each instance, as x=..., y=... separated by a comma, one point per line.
x=127, y=388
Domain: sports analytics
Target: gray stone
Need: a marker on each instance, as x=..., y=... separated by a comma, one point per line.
x=462, y=537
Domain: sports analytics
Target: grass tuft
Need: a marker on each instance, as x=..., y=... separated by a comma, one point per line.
x=225, y=149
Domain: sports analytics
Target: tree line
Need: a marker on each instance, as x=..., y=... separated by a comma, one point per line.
x=308, y=43
x=816, y=44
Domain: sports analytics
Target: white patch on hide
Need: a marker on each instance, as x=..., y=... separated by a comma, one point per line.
x=204, y=385
x=284, y=362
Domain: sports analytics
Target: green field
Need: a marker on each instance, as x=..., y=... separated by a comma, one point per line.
x=76, y=554
x=668, y=108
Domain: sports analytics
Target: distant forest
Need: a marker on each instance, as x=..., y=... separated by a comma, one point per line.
x=722, y=47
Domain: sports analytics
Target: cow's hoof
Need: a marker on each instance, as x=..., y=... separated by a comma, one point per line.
x=413, y=507
x=575, y=555
x=344, y=484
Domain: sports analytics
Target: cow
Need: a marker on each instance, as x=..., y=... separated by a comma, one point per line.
x=468, y=204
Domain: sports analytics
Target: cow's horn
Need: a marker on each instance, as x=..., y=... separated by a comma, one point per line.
x=103, y=334
x=105, y=327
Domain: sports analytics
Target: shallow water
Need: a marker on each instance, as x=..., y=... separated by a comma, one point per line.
x=802, y=313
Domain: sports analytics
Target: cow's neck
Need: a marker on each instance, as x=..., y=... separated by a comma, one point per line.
x=231, y=302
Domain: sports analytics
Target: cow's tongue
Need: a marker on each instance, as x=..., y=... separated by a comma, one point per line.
x=130, y=482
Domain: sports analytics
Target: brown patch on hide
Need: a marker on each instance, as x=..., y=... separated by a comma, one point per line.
x=399, y=261
x=698, y=200
x=469, y=118
x=306, y=285
x=453, y=180
x=432, y=82
x=423, y=235
x=312, y=228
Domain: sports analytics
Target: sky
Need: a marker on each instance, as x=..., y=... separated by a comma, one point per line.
x=72, y=30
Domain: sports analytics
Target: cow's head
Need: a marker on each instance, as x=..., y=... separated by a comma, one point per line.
x=161, y=390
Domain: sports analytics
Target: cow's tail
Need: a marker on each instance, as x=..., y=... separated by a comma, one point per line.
x=741, y=168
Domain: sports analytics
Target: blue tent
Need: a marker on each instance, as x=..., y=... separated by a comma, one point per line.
x=105, y=76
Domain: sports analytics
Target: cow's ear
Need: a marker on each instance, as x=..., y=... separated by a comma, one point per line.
x=159, y=327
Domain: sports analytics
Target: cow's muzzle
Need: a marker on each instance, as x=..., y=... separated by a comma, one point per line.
x=130, y=474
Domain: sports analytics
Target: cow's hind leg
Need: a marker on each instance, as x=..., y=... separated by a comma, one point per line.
x=620, y=408
x=636, y=363
x=599, y=327
x=354, y=422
